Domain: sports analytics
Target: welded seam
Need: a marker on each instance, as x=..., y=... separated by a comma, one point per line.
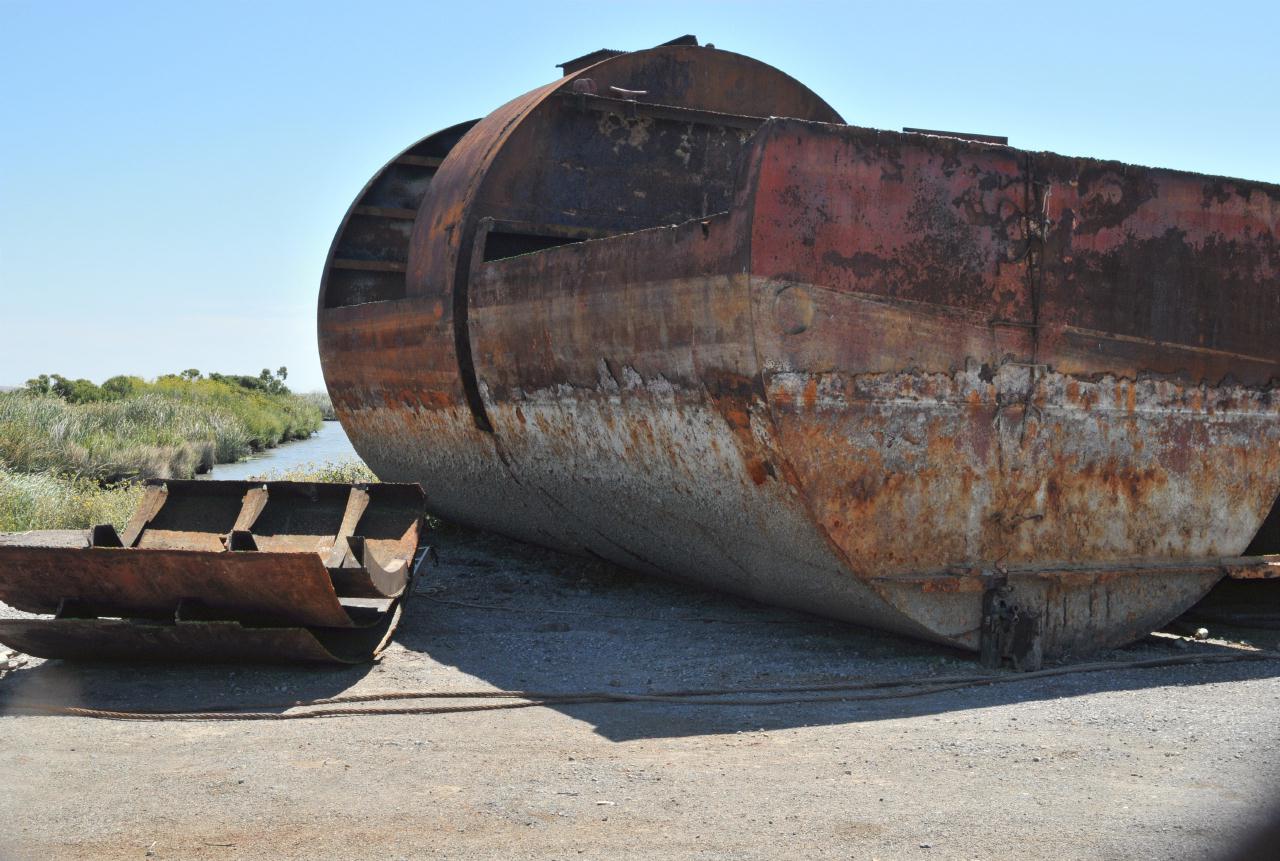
x=752, y=178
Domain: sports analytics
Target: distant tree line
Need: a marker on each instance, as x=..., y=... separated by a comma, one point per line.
x=116, y=388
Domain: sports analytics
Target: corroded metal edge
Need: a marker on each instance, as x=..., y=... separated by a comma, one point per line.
x=133, y=640
x=275, y=571
x=290, y=587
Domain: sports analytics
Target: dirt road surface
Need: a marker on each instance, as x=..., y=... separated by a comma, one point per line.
x=1158, y=763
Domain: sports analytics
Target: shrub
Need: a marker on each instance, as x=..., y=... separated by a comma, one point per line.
x=123, y=387
x=345, y=472
x=322, y=402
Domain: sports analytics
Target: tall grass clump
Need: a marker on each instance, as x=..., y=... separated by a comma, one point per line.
x=44, y=501
x=342, y=472
x=267, y=419
x=148, y=436
x=322, y=402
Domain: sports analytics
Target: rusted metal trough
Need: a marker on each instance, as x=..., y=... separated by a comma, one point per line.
x=672, y=311
x=222, y=570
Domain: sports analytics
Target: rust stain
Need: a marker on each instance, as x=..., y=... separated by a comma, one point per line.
x=810, y=395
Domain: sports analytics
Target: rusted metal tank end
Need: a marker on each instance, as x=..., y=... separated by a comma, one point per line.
x=222, y=570
x=936, y=386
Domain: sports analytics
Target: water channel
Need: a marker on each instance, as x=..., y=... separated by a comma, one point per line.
x=328, y=445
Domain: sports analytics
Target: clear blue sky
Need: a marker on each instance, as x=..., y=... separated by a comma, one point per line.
x=171, y=174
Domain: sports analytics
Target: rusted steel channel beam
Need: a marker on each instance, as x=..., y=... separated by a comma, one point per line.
x=825, y=366
x=222, y=570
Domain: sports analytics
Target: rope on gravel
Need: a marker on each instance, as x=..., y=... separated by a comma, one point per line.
x=816, y=693
x=449, y=602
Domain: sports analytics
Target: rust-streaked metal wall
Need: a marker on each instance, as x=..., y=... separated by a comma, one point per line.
x=905, y=380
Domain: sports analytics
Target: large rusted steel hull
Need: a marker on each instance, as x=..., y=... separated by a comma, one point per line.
x=946, y=388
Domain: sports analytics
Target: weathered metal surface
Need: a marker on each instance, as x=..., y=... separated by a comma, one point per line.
x=823, y=365
x=1254, y=568
x=133, y=640
x=221, y=571
x=370, y=251
x=293, y=588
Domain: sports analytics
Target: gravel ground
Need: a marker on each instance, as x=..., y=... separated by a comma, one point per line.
x=1164, y=763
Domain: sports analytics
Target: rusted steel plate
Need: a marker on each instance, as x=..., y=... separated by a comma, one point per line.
x=666, y=381
x=1150, y=271
x=370, y=251
x=809, y=362
x=908, y=393
x=1075, y=610
x=367, y=570
x=1253, y=567
x=132, y=640
x=279, y=516
x=222, y=571
x=291, y=588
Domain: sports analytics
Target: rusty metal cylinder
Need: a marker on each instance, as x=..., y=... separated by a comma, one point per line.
x=670, y=311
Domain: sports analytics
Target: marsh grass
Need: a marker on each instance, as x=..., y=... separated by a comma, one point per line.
x=68, y=464
x=263, y=420
x=322, y=402
x=44, y=501
x=170, y=429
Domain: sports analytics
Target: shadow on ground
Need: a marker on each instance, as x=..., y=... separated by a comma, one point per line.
x=186, y=687
x=522, y=617
x=518, y=617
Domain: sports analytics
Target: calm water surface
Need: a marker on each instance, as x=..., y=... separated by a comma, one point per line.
x=328, y=445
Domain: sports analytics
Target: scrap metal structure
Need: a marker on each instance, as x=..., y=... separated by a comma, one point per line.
x=671, y=311
x=222, y=570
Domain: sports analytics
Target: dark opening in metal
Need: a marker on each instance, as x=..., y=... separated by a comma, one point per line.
x=498, y=246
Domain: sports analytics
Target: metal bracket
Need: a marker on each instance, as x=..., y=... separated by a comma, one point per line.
x=1009, y=631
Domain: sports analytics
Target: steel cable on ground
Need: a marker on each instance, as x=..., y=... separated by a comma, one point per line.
x=817, y=693
x=797, y=619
